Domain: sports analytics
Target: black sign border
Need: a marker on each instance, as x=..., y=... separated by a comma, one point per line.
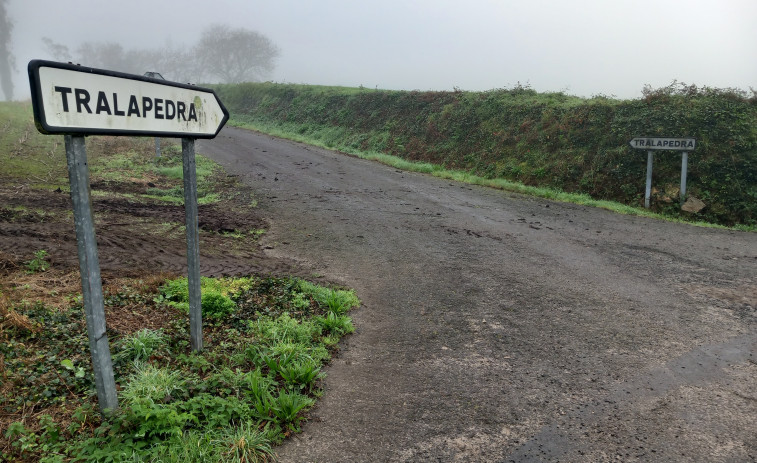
x=41, y=121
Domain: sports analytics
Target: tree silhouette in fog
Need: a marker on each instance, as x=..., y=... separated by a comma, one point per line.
x=223, y=54
x=235, y=55
x=7, y=61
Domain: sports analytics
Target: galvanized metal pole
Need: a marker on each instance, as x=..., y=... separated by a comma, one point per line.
x=89, y=268
x=157, y=147
x=648, y=190
x=193, y=243
x=684, y=171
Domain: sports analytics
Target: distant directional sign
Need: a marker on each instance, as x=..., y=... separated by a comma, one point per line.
x=654, y=143
x=670, y=144
x=77, y=100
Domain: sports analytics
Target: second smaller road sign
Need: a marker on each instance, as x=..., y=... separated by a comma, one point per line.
x=77, y=100
x=654, y=143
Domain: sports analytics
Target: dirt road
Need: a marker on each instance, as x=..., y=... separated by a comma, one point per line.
x=499, y=327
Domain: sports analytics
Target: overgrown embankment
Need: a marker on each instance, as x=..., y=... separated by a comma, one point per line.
x=550, y=140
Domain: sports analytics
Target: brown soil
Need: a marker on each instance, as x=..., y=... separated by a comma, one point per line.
x=134, y=237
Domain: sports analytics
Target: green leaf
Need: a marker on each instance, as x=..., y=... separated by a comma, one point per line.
x=67, y=364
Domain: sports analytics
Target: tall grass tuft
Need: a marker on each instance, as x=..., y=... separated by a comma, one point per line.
x=139, y=346
x=153, y=383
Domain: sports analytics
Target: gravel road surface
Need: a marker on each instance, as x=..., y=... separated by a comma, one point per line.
x=501, y=327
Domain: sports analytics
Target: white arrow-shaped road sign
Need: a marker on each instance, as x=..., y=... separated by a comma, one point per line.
x=77, y=100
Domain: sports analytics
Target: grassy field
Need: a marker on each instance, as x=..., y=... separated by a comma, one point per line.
x=26, y=156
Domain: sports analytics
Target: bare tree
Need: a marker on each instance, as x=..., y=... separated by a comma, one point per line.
x=235, y=55
x=7, y=60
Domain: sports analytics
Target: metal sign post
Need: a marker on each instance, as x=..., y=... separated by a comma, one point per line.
x=193, y=243
x=89, y=268
x=670, y=144
x=684, y=169
x=648, y=189
x=76, y=101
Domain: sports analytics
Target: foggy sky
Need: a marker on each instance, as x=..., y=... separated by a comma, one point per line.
x=580, y=47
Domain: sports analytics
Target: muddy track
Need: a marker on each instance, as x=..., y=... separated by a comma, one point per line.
x=498, y=327
x=133, y=236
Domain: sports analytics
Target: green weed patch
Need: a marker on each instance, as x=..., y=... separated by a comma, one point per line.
x=266, y=344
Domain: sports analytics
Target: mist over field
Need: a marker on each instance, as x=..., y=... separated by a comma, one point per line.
x=582, y=48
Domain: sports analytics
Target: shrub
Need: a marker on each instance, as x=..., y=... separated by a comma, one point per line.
x=215, y=412
x=152, y=383
x=336, y=324
x=39, y=263
x=285, y=329
x=214, y=295
x=139, y=346
x=288, y=406
x=301, y=373
x=216, y=305
x=337, y=301
x=244, y=444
